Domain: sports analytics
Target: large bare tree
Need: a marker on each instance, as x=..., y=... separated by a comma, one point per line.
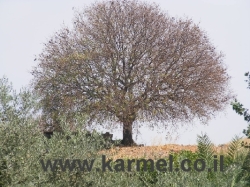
x=128, y=61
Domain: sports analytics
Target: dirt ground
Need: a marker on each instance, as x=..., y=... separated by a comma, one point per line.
x=151, y=151
x=160, y=151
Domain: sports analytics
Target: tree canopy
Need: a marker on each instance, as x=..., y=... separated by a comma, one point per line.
x=128, y=61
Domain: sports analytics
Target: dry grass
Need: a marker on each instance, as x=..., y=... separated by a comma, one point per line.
x=158, y=150
x=152, y=152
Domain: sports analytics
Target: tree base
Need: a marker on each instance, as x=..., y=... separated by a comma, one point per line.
x=128, y=143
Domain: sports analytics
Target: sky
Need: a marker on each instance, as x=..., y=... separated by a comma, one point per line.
x=26, y=25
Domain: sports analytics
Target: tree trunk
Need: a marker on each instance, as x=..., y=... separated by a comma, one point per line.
x=127, y=134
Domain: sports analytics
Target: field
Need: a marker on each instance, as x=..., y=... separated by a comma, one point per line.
x=160, y=151
x=147, y=151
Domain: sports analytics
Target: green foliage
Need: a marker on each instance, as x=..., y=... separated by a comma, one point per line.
x=206, y=152
x=234, y=158
x=239, y=109
x=23, y=146
x=233, y=149
x=244, y=174
x=247, y=74
x=148, y=177
x=205, y=148
x=16, y=107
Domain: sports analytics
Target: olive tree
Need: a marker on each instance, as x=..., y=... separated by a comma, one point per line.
x=239, y=109
x=128, y=61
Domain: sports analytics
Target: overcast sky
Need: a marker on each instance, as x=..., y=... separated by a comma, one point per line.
x=25, y=25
